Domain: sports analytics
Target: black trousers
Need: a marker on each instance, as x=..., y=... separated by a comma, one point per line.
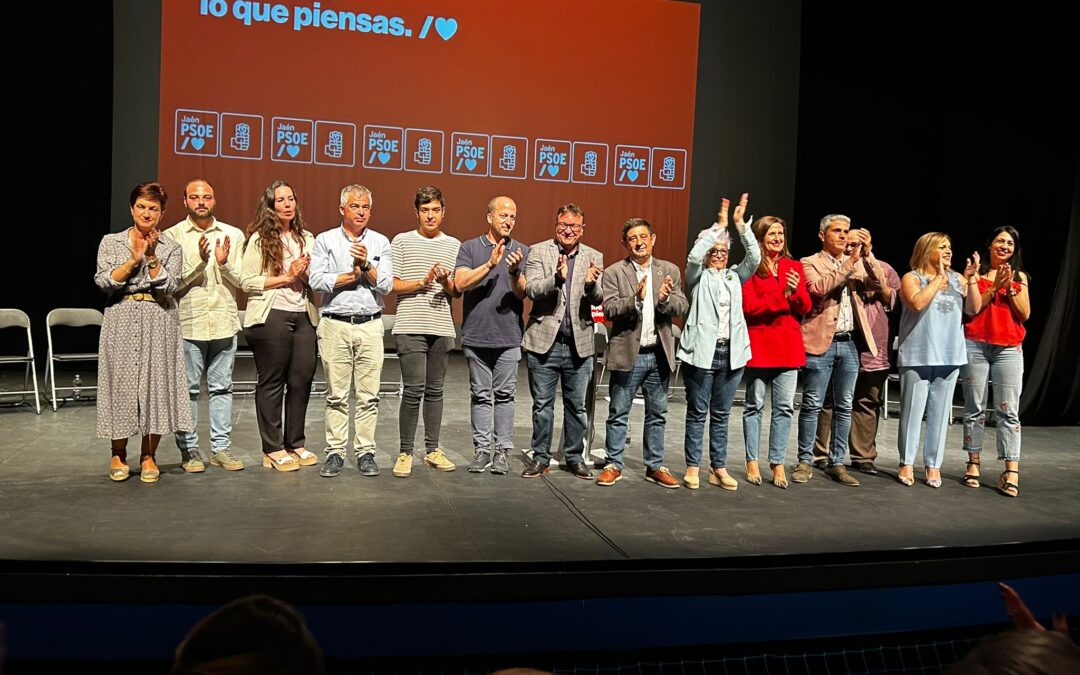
x=285, y=353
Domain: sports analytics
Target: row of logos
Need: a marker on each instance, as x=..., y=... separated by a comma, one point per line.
x=390, y=148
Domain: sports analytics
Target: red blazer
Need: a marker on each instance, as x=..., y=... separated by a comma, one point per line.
x=773, y=321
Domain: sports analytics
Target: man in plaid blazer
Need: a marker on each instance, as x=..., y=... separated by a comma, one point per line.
x=562, y=279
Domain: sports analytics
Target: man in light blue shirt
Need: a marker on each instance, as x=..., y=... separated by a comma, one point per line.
x=351, y=266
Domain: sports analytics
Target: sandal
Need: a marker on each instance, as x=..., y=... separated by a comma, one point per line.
x=304, y=457
x=286, y=463
x=902, y=479
x=753, y=473
x=119, y=473
x=151, y=474
x=779, y=478
x=1008, y=489
x=971, y=479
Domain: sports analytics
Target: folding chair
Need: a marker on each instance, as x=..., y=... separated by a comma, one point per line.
x=71, y=318
x=16, y=318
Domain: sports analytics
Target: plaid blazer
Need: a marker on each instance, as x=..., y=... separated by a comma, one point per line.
x=549, y=300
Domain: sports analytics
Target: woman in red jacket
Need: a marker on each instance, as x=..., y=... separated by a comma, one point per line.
x=774, y=299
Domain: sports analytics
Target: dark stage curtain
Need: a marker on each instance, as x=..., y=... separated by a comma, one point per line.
x=1052, y=392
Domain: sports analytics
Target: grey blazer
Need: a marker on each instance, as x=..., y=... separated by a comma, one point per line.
x=549, y=301
x=620, y=307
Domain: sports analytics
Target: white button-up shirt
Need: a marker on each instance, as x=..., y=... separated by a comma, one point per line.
x=207, y=294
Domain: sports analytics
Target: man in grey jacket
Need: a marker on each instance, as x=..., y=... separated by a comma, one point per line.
x=641, y=297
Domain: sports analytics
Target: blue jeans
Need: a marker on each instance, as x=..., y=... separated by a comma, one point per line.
x=839, y=365
x=216, y=358
x=1004, y=367
x=709, y=391
x=651, y=374
x=784, y=381
x=545, y=370
x=929, y=389
x=492, y=382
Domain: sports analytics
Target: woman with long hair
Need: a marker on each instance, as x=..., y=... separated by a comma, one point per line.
x=280, y=324
x=931, y=351
x=994, y=355
x=774, y=300
x=142, y=386
x=715, y=345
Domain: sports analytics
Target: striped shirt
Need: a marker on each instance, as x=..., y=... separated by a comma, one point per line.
x=427, y=311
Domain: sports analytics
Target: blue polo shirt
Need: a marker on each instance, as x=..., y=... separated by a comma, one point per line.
x=492, y=312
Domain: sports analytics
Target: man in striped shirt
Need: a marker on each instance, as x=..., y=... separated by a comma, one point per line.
x=424, y=326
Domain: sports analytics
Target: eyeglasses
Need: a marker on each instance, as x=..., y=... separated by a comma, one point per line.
x=570, y=227
x=718, y=252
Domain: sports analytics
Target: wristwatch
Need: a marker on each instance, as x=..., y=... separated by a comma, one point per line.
x=152, y=262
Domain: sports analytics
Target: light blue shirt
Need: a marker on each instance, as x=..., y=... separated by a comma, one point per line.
x=331, y=257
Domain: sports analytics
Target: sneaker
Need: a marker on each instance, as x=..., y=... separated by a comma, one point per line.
x=440, y=461
x=332, y=467
x=535, y=468
x=662, y=477
x=609, y=475
x=192, y=462
x=480, y=462
x=403, y=465
x=839, y=473
x=802, y=473
x=367, y=464
x=226, y=460
x=500, y=464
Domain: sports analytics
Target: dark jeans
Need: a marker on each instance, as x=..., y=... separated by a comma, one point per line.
x=545, y=371
x=284, y=351
x=865, y=411
x=423, y=368
x=709, y=391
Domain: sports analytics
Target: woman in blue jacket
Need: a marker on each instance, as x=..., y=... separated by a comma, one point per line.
x=715, y=345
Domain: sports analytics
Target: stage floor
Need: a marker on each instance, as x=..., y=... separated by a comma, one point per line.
x=56, y=502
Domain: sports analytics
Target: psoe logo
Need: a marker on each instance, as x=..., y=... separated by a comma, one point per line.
x=196, y=133
x=291, y=140
x=552, y=160
x=469, y=154
x=632, y=165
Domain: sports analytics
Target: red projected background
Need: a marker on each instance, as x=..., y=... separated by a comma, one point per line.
x=548, y=102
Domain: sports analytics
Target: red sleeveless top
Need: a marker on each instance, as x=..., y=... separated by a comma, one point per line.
x=995, y=324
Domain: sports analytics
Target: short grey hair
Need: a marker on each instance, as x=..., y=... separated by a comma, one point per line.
x=831, y=217
x=358, y=189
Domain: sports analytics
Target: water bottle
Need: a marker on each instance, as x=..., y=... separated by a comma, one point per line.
x=76, y=387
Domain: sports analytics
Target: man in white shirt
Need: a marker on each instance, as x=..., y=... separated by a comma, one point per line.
x=208, y=320
x=351, y=266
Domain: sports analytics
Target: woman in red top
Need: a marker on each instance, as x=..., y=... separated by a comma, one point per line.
x=774, y=299
x=994, y=336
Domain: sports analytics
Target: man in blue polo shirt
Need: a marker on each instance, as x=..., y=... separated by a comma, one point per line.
x=351, y=266
x=490, y=273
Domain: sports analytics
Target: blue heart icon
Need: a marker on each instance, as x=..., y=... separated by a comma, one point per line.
x=198, y=143
x=632, y=174
x=470, y=164
x=293, y=150
x=552, y=169
x=445, y=27
x=384, y=158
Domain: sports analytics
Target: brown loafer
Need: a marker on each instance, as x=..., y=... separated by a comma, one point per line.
x=661, y=477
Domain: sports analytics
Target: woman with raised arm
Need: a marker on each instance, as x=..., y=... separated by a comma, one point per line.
x=994, y=355
x=714, y=345
x=931, y=351
x=774, y=300
x=280, y=324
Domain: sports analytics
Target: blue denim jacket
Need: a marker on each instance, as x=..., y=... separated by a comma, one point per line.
x=698, y=342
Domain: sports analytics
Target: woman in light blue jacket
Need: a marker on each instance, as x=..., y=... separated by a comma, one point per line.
x=715, y=345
